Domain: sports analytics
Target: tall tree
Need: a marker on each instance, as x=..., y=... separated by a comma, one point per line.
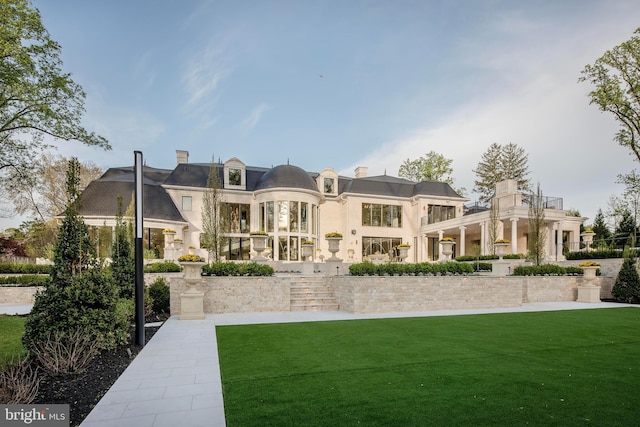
x=498, y=163
x=603, y=233
x=37, y=98
x=123, y=265
x=616, y=80
x=631, y=194
x=430, y=167
x=43, y=195
x=537, y=228
x=74, y=251
x=213, y=215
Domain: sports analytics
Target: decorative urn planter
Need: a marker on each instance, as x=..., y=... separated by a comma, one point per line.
x=259, y=243
x=501, y=248
x=587, y=239
x=403, y=252
x=588, y=291
x=446, y=246
x=333, y=239
x=306, y=250
x=589, y=269
x=192, y=300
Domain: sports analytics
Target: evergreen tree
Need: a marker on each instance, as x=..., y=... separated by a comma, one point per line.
x=625, y=231
x=497, y=164
x=627, y=285
x=73, y=251
x=603, y=234
x=123, y=265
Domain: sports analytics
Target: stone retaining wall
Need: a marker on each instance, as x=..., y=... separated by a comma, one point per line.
x=18, y=294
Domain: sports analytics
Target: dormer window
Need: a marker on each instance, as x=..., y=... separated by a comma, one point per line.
x=329, y=185
x=235, y=174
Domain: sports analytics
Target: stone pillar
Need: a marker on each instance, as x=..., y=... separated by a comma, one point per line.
x=550, y=247
x=559, y=253
x=514, y=235
x=482, y=238
x=461, y=241
x=440, y=236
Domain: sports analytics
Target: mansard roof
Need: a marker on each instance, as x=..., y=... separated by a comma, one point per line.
x=385, y=185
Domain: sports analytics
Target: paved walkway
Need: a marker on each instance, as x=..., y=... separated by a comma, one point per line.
x=175, y=379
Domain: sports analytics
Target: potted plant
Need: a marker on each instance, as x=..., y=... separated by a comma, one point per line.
x=259, y=243
x=333, y=238
x=192, y=265
x=589, y=268
x=403, y=251
x=500, y=246
x=447, y=247
x=306, y=249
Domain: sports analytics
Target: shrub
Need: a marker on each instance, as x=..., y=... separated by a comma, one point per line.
x=159, y=295
x=86, y=301
x=19, y=383
x=627, y=285
x=546, y=270
x=422, y=268
x=67, y=352
x=25, y=280
x=162, y=267
x=256, y=269
x=230, y=268
x=599, y=254
x=24, y=268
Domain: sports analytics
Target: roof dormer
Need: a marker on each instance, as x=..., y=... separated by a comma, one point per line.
x=327, y=182
x=235, y=174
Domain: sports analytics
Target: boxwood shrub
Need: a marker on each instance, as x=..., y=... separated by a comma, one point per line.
x=423, y=268
x=600, y=254
x=162, y=267
x=547, y=270
x=237, y=269
x=24, y=268
x=25, y=280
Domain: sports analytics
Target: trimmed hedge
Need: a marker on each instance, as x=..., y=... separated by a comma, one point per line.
x=465, y=258
x=162, y=267
x=409, y=269
x=607, y=253
x=236, y=269
x=548, y=270
x=25, y=280
x=24, y=268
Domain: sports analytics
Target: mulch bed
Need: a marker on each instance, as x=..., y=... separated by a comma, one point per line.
x=82, y=391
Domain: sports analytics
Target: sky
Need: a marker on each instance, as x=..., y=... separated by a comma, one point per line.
x=342, y=84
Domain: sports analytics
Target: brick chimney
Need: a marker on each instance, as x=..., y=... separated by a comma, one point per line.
x=182, y=156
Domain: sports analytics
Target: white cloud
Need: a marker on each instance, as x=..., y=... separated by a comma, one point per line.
x=256, y=114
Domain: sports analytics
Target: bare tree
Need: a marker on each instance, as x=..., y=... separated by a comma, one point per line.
x=537, y=228
x=213, y=216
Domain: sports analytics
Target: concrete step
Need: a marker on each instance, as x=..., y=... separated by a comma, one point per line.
x=315, y=307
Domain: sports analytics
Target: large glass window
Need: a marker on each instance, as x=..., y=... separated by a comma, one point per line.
x=304, y=227
x=293, y=217
x=437, y=213
x=236, y=217
x=329, y=186
x=376, y=215
x=380, y=246
x=236, y=248
x=270, y=217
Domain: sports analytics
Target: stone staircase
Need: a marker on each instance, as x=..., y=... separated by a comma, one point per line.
x=312, y=294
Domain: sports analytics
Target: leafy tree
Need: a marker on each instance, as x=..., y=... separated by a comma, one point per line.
x=123, y=265
x=493, y=230
x=498, y=163
x=37, y=99
x=616, y=80
x=627, y=285
x=537, y=228
x=430, y=167
x=213, y=216
x=631, y=194
x=74, y=250
x=625, y=231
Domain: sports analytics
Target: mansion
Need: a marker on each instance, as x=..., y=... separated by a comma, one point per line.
x=374, y=214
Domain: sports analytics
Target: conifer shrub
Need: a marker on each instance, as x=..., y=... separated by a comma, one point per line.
x=627, y=285
x=160, y=296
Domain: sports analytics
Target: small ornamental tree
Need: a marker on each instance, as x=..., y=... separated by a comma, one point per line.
x=627, y=285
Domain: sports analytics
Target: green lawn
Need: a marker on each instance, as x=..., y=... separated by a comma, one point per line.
x=552, y=368
x=11, y=330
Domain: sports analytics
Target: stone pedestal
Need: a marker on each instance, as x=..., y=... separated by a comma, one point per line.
x=334, y=267
x=307, y=268
x=501, y=268
x=192, y=305
x=589, y=293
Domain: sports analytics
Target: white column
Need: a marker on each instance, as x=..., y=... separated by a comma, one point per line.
x=482, y=238
x=461, y=240
x=440, y=235
x=514, y=235
x=549, y=243
x=559, y=253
